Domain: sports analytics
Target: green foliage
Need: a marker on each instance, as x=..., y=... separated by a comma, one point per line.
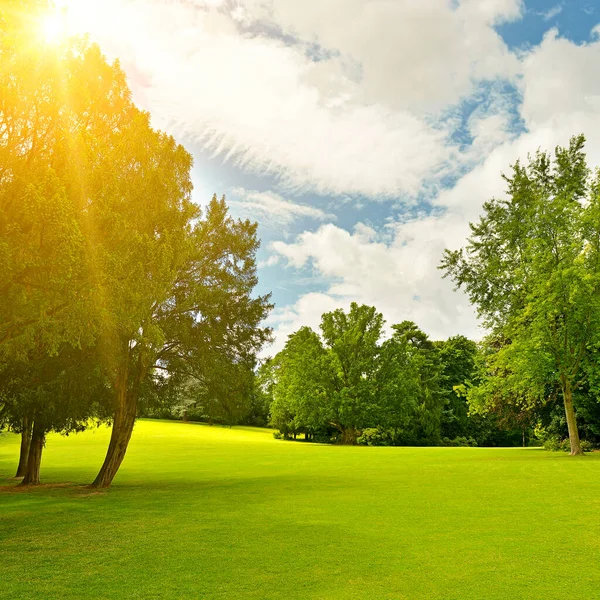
x=104, y=258
x=458, y=356
x=532, y=269
x=563, y=445
x=352, y=387
x=459, y=441
x=301, y=381
x=353, y=342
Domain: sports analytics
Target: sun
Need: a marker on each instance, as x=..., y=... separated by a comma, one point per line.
x=66, y=18
x=54, y=27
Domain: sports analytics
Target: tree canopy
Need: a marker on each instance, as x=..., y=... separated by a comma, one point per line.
x=532, y=269
x=108, y=267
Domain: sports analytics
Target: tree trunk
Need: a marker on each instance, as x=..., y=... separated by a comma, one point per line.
x=124, y=420
x=349, y=436
x=25, y=443
x=571, y=419
x=34, y=459
x=523, y=438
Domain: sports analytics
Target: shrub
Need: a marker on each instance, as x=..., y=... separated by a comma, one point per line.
x=374, y=436
x=555, y=444
x=459, y=441
x=278, y=435
x=587, y=446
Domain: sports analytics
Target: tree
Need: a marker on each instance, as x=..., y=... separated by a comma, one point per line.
x=44, y=293
x=261, y=396
x=122, y=260
x=303, y=388
x=499, y=394
x=532, y=269
x=353, y=339
x=416, y=384
x=60, y=106
x=51, y=393
x=458, y=358
x=191, y=310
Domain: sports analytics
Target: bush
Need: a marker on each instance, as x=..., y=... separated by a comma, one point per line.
x=587, y=446
x=466, y=442
x=278, y=435
x=555, y=444
x=374, y=436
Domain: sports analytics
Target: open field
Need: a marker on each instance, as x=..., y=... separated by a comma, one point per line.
x=212, y=513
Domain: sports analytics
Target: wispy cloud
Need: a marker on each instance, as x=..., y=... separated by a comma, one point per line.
x=361, y=120
x=273, y=208
x=551, y=13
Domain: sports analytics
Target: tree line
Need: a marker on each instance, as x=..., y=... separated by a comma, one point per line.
x=531, y=267
x=114, y=285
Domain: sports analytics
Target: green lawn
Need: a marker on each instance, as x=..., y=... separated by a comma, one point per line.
x=204, y=513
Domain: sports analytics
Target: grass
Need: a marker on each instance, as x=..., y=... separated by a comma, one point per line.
x=210, y=513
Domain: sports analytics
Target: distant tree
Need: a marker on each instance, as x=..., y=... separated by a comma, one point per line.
x=353, y=339
x=458, y=359
x=303, y=385
x=261, y=396
x=426, y=399
x=532, y=269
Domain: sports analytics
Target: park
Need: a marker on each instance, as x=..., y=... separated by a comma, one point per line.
x=299, y=302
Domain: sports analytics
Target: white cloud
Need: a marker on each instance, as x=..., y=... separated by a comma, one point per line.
x=271, y=209
x=270, y=262
x=359, y=121
x=306, y=311
x=551, y=13
x=560, y=81
x=363, y=119
x=397, y=273
x=560, y=98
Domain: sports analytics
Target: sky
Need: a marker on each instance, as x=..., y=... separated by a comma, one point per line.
x=362, y=135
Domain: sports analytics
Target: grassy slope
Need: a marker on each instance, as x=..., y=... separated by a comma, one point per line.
x=199, y=512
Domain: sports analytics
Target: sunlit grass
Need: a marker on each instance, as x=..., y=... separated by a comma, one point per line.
x=201, y=512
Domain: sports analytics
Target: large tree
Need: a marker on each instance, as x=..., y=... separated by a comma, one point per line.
x=532, y=269
x=191, y=310
x=57, y=110
x=101, y=245
x=44, y=293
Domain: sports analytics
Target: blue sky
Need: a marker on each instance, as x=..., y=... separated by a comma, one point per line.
x=362, y=135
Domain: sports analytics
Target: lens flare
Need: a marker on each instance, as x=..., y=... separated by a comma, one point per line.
x=54, y=27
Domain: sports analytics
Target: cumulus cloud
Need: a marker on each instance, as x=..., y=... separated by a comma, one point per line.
x=396, y=272
x=395, y=268
x=560, y=82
